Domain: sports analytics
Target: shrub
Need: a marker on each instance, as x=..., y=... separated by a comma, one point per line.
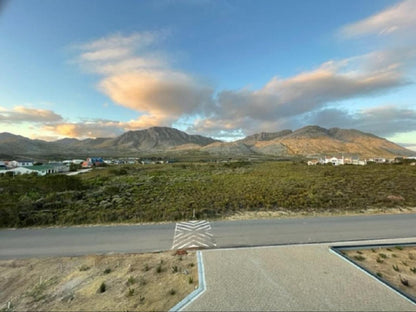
x=131, y=280
x=102, y=288
x=107, y=271
x=404, y=281
x=84, y=267
x=130, y=292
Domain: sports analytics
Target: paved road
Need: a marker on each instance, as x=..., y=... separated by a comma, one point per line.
x=72, y=241
x=144, y=238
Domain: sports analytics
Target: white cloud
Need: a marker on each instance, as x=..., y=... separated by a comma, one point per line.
x=399, y=18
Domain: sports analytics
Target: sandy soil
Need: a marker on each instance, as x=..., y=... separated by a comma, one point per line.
x=141, y=282
x=396, y=265
x=249, y=215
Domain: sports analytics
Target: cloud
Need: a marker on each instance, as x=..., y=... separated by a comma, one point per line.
x=381, y=120
x=21, y=114
x=117, y=53
x=399, y=18
x=135, y=75
x=282, y=102
x=158, y=93
x=86, y=129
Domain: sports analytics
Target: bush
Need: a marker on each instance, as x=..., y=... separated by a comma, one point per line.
x=102, y=288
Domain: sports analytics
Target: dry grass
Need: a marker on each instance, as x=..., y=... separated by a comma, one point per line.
x=76, y=283
x=396, y=265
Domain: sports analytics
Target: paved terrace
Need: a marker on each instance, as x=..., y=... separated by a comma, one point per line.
x=292, y=278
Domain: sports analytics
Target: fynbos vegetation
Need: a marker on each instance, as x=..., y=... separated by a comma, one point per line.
x=201, y=190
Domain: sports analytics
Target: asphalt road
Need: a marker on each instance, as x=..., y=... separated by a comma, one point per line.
x=68, y=241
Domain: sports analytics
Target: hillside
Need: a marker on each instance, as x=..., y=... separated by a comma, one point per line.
x=318, y=141
x=307, y=141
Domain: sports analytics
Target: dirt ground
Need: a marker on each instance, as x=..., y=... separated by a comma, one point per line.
x=249, y=215
x=396, y=265
x=119, y=282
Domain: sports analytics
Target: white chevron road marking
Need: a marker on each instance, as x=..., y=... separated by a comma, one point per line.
x=193, y=234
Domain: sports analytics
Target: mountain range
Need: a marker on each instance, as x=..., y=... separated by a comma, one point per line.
x=307, y=141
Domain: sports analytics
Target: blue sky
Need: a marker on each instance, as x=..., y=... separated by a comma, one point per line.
x=224, y=69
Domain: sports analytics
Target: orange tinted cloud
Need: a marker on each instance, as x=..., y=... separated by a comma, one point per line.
x=27, y=114
x=87, y=129
x=157, y=93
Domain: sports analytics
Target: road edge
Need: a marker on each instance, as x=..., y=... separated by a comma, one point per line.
x=197, y=292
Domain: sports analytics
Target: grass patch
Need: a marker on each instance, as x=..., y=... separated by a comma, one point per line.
x=37, y=293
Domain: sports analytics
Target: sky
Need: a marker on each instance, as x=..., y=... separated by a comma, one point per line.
x=224, y=69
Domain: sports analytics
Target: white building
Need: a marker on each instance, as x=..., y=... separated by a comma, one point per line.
x=334, y=160
x=20, y=170
x=24, y=163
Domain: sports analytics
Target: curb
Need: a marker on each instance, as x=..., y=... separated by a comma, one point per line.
x=197, y=292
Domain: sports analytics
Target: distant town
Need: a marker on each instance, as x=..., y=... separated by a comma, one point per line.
x=336, y=161
x=69, y=167
x=77, y=166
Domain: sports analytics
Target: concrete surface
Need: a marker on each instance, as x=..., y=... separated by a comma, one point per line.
x=292, y=278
